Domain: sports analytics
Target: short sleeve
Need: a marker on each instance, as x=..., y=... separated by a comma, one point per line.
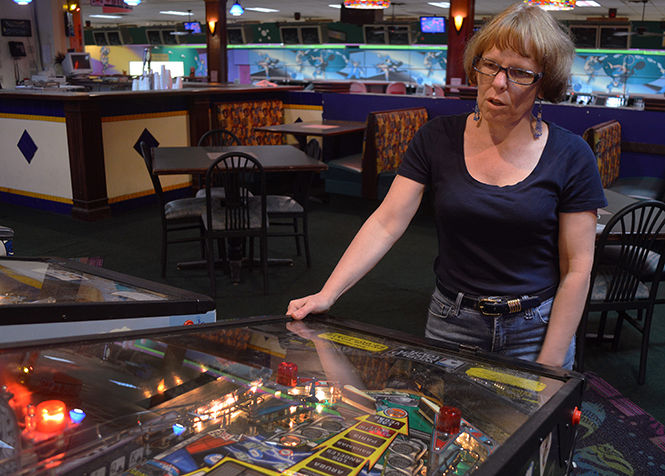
x=583, y=189
x=416, y=163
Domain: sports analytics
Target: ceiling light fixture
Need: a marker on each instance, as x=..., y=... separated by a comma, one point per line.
x=440, y=4
x=110, y=17
x=22, y=2
x=175, y=12
x=133, y=3
x=587, y=3
x=261, y=9
x=552, y=4
x=367, y=4
x=236, y=9
x=335, y=5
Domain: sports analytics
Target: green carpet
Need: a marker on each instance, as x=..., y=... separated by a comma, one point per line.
x=395, y=294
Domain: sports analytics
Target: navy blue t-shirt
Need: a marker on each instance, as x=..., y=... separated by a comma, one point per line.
x=501, y=240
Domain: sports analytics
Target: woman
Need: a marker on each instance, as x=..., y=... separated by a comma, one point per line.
x=515, y=203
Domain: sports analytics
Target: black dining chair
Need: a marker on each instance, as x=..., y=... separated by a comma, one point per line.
x=624, y=279
x=285, y=211
x=216, y=138
x=240, y=214
x=176, y=215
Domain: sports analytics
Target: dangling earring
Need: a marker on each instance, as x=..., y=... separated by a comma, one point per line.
x=538, y=131
x=476, y=113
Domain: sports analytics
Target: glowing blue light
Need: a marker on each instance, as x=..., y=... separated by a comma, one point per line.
x=76, y=415
x=133, y=3
x=22, y=2
x=178, y=429
x=236, y=9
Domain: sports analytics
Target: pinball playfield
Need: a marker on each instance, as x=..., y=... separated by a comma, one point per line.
x=265, y=396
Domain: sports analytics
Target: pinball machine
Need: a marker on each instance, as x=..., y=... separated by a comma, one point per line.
x=50, y=297
x=268, y=395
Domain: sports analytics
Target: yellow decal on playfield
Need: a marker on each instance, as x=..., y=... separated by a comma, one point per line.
x=494, y=376
x=361, y=445
x=351, y=341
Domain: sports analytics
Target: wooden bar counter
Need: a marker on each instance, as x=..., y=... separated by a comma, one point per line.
x=79, y=151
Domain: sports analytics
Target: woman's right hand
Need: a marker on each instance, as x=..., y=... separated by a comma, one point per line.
x=312, y=304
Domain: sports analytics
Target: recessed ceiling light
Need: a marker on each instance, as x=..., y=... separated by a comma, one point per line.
x=112, y=17
x=587, y=3
x=261, y=9
x=335, y=5
x=440, y=4
x=176, y=13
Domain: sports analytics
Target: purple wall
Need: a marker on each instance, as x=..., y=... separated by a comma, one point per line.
x=636, y=126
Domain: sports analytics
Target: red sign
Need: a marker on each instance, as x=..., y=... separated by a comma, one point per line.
x=111, y=6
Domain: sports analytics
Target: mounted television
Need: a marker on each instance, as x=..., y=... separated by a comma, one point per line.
x=193, y=26
x=77, y=63
x=432, y=24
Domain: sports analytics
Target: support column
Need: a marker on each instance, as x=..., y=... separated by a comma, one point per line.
x=86, y=160
x=216, y=39
x=457, y=39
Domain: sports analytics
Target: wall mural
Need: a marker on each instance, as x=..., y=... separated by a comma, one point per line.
x=410, y=65
x=593, y=71
x=619, y=73
x=115, y=59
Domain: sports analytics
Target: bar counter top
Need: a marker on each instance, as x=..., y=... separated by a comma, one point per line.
x=222, y=89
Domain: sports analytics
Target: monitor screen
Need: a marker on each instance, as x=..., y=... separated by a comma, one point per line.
x=77, y=63
x=193, y=26
x=80, y=61
x=433, y=24
x=613, y=101
x=583, y=99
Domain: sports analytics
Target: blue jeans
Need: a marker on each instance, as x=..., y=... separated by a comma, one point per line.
x=518, y=335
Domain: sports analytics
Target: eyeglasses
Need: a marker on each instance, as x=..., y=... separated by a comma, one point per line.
x=515, y=75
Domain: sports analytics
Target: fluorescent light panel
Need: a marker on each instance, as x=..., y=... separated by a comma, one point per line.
x=176, y=13
x=587, y=3
x=261, y=9
x=440, y=4
x=112, y=17
x=336, y=5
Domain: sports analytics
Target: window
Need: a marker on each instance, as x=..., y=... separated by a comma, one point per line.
x=398, y=35
x=100, y=38
x=290, y=35
x=609, y=39
x=310, y=35
x=114, y=37
x=235, y=36
x=169, y=38
x=600, y=36
x=154, y=37
x=387, y=34
x=375, y=35
x=584, y=37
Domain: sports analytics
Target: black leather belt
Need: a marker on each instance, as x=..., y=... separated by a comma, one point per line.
x=493, y=305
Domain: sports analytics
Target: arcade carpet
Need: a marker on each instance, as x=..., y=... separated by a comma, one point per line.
x=615, y=436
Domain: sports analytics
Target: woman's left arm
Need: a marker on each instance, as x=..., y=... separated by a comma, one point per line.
x=577, y=236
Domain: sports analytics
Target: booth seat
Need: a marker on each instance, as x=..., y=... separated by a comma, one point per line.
x=370, y=173
x=242, y=117
x=605, y=141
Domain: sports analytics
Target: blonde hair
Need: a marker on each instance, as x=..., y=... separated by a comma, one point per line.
x=533, y=33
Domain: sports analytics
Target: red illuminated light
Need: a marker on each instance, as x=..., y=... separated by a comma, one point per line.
x=51, y=416
x=287, y=374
